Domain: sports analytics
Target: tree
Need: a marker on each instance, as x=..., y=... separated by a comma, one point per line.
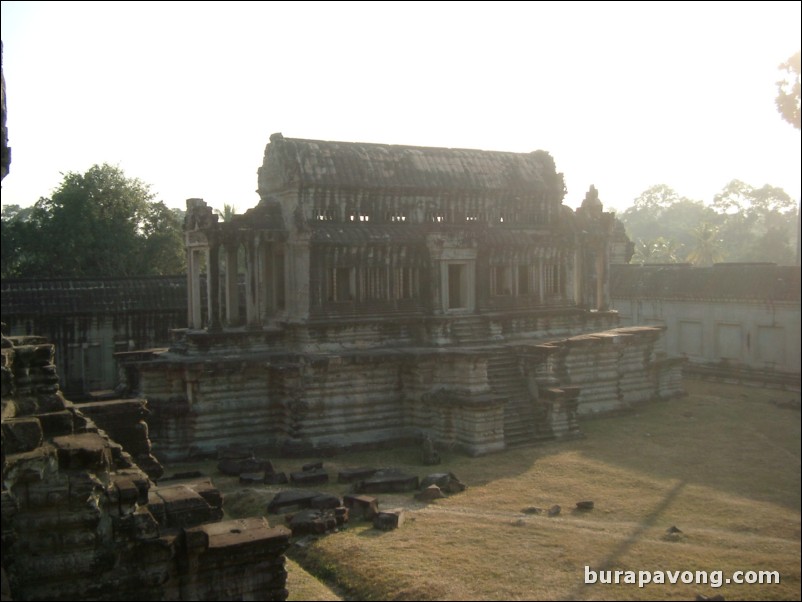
x=743, y=223
x=16, y=236
x=97, y=224
x=229, y=211
x=746, y=215
x=661, y=212
x=788, y=91
x=707, y=249
x=658, y=250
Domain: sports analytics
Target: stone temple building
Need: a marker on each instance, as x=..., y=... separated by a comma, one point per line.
x=393, y=293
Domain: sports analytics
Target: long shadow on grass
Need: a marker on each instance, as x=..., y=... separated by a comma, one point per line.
x=731, y=438
x=611, y=561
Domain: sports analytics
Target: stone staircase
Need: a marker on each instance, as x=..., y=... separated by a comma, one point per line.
x=470, y=331
x=520, y=419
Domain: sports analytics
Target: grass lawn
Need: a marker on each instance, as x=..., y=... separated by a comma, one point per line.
x=722, y=465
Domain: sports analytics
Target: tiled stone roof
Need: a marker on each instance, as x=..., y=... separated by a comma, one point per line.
x=23, y=297
x=385, y=166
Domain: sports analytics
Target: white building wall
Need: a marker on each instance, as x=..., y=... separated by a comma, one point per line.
x=755, y=335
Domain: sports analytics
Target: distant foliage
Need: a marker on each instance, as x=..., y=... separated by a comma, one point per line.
x=741, y=223
x=97, y=224
x=788, y=91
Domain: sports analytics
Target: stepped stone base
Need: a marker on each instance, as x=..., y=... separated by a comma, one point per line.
x=474, y=398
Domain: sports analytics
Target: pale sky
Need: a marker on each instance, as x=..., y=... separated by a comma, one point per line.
x=185, y=95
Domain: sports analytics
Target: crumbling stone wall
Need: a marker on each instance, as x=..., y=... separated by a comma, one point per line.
x=81, y=521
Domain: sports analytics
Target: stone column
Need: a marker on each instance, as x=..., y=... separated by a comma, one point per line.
x=193, y=282
x=213, y=286
x=265, y=282
x=190, y=283
x=232, y=285
x=252, y=285
x=601, y=277
x=541, y=281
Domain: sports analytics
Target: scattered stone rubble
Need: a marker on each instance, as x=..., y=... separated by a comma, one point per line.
x=309, y=512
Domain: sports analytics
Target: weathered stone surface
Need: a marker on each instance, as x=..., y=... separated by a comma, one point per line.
x=87, y=450
x=316, y=476
x=584, y=505
x=388, y=480
x=429, y=494
x=239, y=559
x=351, y=475
x=55, y=424
x=291, y=500
x=124, y=421
x=82, y=521
x=554, y=510
x=446, y=481
x=249, y=478
x=312, y=522
x=325, y=501
x=387, y=520
x=184, y=507
x=342, y=515
x=361, y=507
x=206, y=489
x=21, y=434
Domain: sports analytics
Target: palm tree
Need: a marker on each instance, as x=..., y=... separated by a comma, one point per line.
x=707, y=246
x=229, y=211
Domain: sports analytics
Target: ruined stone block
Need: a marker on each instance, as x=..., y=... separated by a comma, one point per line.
x=316, y=476
x=430, y=493
x=156, y=507
x=206, y=489
x=387, y=520
x=55, y=424
x=127, y=494
x=52, y=403
x=249, y=478
x=184, y=507
x=361, y=507
x=389, y=480
x=312, y=522
x=239, y=559
x=289, y=501
x=21, y=434
x=31, y=466
x=341, y=515
x=325, y=501
x=83, y=451
x=446, y=481
x=351, y=475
